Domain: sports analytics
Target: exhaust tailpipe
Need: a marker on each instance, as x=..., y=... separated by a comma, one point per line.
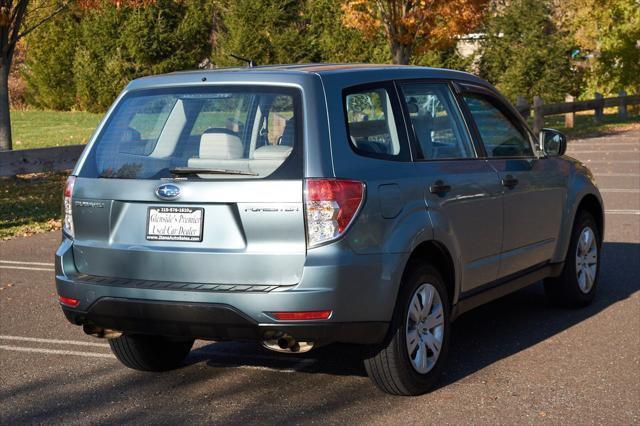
x=285, y=343
x=101, y=333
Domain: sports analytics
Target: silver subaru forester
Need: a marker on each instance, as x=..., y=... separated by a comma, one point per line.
x=305, y=205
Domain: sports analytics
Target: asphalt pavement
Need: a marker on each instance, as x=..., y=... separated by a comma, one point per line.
x=515, y=360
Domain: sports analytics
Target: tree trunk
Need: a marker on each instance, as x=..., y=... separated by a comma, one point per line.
x=400, y=53
x=5, y=120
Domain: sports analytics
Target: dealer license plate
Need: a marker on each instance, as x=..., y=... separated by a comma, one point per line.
x=175, y=223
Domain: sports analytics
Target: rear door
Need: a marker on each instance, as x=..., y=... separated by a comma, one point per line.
x=534, y=188
x=195, y=185
x=462, y=192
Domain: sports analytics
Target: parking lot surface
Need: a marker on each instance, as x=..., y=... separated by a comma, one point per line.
x=516, y=360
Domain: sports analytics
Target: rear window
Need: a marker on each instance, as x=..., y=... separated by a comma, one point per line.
x=208, y=133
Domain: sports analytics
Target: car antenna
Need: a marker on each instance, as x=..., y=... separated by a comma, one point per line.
x=249, y=62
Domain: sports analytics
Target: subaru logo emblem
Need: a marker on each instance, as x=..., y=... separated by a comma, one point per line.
x=168, y=191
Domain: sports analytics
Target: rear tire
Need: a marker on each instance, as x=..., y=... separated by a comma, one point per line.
x=150, y=353
x=576, y=286
x=412, y=357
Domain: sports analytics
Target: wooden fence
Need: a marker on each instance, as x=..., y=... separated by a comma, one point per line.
x=570, y=107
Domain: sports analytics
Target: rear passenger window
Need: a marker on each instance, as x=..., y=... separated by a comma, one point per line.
x=500, y=135
x=371, y=123
x=436, y=121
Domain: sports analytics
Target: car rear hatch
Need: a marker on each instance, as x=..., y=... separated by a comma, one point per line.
x=195, y=186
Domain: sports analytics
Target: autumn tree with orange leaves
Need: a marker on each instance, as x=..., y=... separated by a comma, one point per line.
x=413, y=26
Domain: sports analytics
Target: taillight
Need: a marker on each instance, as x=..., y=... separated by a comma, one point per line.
x=331, y=205
x=67, y=223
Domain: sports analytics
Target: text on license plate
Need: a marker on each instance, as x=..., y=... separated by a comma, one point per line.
x=175, y=223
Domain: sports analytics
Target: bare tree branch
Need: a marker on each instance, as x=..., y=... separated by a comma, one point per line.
x=44, y=20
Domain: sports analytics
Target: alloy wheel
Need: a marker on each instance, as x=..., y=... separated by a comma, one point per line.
x=586, y=260
x=425, y=328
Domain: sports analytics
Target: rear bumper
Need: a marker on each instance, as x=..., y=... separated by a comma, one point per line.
x=213, y=321
x=360, y=290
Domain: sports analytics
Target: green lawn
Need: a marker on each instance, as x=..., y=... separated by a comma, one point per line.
x=30, y=204
x=40, y=129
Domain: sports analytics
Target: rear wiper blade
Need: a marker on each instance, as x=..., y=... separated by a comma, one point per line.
x=208, y=171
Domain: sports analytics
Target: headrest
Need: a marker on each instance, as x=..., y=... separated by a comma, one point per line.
x=412, y=108
x=288, y=134
x=220, y=146
x=272, y=152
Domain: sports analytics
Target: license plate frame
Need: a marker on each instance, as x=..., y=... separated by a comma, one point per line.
x=169, y=230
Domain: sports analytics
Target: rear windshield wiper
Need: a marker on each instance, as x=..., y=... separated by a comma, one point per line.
x=208, y=171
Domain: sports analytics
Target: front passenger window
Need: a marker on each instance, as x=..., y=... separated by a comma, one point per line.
x=501, y=137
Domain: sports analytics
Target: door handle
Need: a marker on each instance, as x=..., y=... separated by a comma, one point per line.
x=509, y=181
x=439, y=188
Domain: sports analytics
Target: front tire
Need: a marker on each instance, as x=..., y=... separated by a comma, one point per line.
x=411, y=359
x=150, y=353
x=576, y=286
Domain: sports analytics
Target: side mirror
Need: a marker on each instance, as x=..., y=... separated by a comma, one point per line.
x=552, y=142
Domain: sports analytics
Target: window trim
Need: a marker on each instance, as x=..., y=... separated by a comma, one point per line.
x=405, y=154
x=411, y=133
x=501, y=105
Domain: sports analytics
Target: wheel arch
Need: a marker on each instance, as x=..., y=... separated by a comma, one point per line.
x=589, y=200
x=592, y=205
x=437, y=255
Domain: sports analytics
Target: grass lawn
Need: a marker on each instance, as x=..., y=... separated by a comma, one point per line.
x=30, y=204
x=40, y=129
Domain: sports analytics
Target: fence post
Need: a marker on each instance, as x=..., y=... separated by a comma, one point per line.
x=570, y=117
x=538, y=117
x=523, y=107
x=622, y=109
x=599, y=113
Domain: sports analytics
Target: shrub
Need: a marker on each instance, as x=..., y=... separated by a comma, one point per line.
x=48, y=69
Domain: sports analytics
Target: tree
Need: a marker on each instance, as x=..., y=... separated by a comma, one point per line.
x=413, y=26
x=606, y=33
x=48, y=70
x=267, y=32
x=333, y=42
x=524, y=53
x=121, y=43
x=13, y=15
x=94, y=49
x=448, y=57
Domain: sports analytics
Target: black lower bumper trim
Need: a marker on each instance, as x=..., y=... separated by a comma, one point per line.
x=214, y=322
